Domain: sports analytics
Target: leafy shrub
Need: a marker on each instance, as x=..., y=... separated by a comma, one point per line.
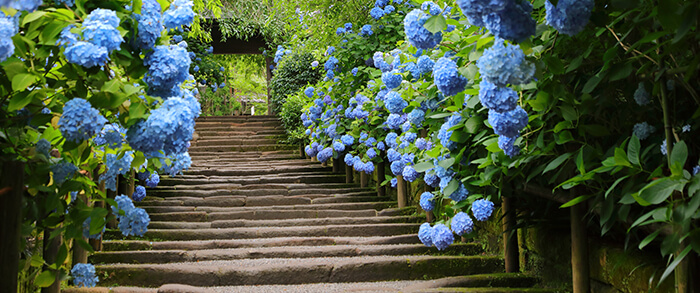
x=292, y=73
x=290, y=113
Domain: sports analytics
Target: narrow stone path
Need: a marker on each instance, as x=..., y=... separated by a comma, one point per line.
x=251, y=216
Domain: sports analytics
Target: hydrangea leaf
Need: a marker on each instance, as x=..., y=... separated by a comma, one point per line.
x=45, y=279
x=20, y=100
x=22, y=81
x=679, y=155
x=657, y=191
x=435, y=24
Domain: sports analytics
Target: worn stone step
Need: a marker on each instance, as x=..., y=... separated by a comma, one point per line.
x=297, y=271
x=284, y=222
x=385, y=229
x=242, y=148
x=160, y=194
x=238, y=127
x=245, y=156
x=229, y=133
x=280, y=178
x=253, y=201
x=124, y=245
x=293, y=189
x=174, y=256
x=268, y=204
x=234, y=141
x=502, y=280
x=262, y=169
x=249, y=123
x=237, y=119
x=489, y=290
x=261, y=214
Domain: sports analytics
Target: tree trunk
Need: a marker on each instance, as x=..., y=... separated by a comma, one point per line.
x=579, y=250
x=510, y=237
x=11, y=190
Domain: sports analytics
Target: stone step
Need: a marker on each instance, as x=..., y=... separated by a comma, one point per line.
x=241, y=133
x=284, y=223
x=386, y=229
x=124, y=245
x=262, y=156
x=162, y=194
x=293, y=189
x=234, y=141
x=262, y=169
x=268, y=204
x=238, y=128
x=296, y=271
x=489, y=290
x=242, y=148
x=249, y=123
x=279, y=178
x=237, y=119
x=255, y=201
x=175, y=256
x=262, y=214
x=499, y=280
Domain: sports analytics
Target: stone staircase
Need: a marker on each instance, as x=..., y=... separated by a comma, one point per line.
x=251, y=216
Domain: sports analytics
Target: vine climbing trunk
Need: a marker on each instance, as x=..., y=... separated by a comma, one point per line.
x=510, y=236
x=579, y=249
x=11, y=189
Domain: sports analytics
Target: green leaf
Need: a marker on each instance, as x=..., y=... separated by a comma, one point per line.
x=423, y=166
x=452, y=187
x=435, y=24
x=45, y=279
x=473, y=124
x=563, y=125
x=554, y=64
x=541, y=102
x=33, y=16
x=677, y=259
x=679, y=155
x=579, y=162
x=633, y=150
x=575, y=201
x=592, y=83
x=641, y=220
x=568, y=113
x=564, y=137
x=648, y=239
x=556, y=162
x=447, y=163
x=615, y=184
x=21, y=82
x=621, y=158
x=111, y=86
x=19, y=101
x=657, y=191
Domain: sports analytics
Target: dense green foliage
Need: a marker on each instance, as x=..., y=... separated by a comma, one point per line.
x=292, y=73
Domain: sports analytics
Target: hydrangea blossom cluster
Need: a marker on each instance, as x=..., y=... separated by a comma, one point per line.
x=324, y=154
x=424, y=234
x=63, y=171
x=100, y=37
x=150, y=24
x=115, y=166
x=174, y=164
x=366, y=30
x=445, y=134
x=392, y=79
x=569, y=16
x=447, y=77
x=111, y=135
x=84, y=275
x=394, y=102
x=80, y=121
x=641, y=96
x=505, y=64
x=441, y=236
x=179, y=14
x=425, y=64
x=9, y=26
x=134, y=221
x=462, y=224
x=153, y=180
x=417, y=34
x=643, y=130
x=168, y=67
x=43, y=147
x=509, y=20
x=508, y=123
x=482, y=209
x=427, y=201
x=139, y=193
x=169, y=128
x=507, y=144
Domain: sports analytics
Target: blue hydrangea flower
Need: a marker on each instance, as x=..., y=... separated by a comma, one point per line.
x=505, y=64
x=338, y=146
x=139, y=193
x=513, y=23
x=168, y=67
x=423, y=144
x=431, y=7
x=376, y=13
x=330, y=51
x=641, y=96
x=331, y=64
x=417, y=34
x=410, y=174
x=348, y=159
x=409, y=137
x=392, y=79
x=178, y=163
x=393, y=155
x=84, y=275
x=406, y=126
x=169, y=128
x=447, y=77
x=80, y=120
x=86, y=54
x=397, y=167
x=177, y=39
x=324, y=155
x=43, y=146
x=441, y=236
x=444, y=134
x=569, y=16
x=482, y=209
x=664, y=149
x=686, y=128
x=150, y=24
x=9, y=26
x=393, y=182
x=462, y=224
x=499, y=99
x=340, y=31
x=416, y=117
x=427, y=202
x=394, y=102
x=389, y=9
x=390, y=139
x=431, y=179
x=347, y=139
x=460, y=194
x=309, y=92
x=394, y=121
x=366, y=30
x=507, y=144
x=425, y=234
x=425, y=64
x=696, y=170
x=371, y=153
x=63, y=171
x=100, y=28
x=116, y=167
x=314, y=64
x=381, y=146
x=643, y=130
x=508, y=123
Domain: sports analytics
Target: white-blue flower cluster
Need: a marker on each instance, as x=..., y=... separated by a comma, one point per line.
x=643, y=130
x=168, y=67
x=505, y=64
x=427, y=201
x=394, y=103
x=139, y=193
x=482, y=209
x=80, y=121
x=462, y=224
x=569, y=16
x=444, y=134
x=641, y=96
x=441, y=236
x=174, y=163
x=169, y=128
x=150, y=24
x=178, y=15
x=447, y=77
x=392, y=79
x=84, y=275
x=134, y=221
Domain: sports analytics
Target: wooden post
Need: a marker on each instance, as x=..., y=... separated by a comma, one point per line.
x=111, y=218
x=268, y=62
x=11, y=191
x=51, y=248
x=363, y=179
x=302, y=154
x=401, y=191
x=381, y=174
x=348, y=174
x=510, y=237
x=579, y=250
x=97, y=243
x=336, y=165
x=80, y=255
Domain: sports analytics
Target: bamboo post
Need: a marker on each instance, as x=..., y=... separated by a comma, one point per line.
x=363, y=179
x=11, y=190
x=348, y=174
x=579, y=250
x=381, y=174
x=510, y=237
x=401, y=191
x=51, y=248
